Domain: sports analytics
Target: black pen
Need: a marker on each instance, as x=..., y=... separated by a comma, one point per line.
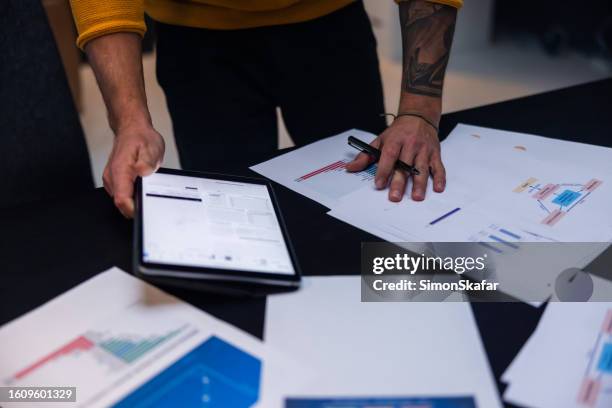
x=374, y=152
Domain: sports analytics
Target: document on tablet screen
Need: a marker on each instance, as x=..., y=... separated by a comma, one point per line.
x=215, y=223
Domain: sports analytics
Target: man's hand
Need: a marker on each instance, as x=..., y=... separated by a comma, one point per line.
x=427, y=34
x=136, y=152
x=414, y=142
x=138, y=149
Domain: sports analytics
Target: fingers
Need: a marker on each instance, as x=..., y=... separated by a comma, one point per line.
x=132, y=156
x=438, y=172
x=397, y=188
x=419, y=182
x=415, y=143
x=386, y=164
x=362, y=160
x=123, y=175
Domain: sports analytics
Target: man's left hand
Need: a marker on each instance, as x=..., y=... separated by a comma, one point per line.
x=413, y=141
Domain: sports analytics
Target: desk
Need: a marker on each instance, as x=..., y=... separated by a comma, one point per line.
x=49, y=247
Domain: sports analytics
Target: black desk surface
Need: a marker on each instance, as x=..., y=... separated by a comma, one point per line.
x=48, y=247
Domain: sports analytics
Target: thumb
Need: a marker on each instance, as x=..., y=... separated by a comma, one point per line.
x=123, y=188
x=363, y=160
x=360, y=162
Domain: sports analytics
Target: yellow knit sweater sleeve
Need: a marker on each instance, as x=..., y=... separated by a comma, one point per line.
x=454, y=3
x=95, y=18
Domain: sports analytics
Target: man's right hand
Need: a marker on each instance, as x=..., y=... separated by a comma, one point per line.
x=137, y=151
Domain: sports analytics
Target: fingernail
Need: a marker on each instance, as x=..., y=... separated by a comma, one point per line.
x=396, y=194
x=379, y=183
x=440, y=185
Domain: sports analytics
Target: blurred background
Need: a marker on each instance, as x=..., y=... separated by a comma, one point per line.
x=502, y=50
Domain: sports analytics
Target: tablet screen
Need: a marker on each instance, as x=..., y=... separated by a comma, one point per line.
x=211, y=223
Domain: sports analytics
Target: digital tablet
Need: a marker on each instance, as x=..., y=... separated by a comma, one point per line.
x=197, y=227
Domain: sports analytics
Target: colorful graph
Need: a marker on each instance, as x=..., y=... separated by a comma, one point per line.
x=214, y=374
x=339, y=166
x=596, y=388
x=129, y=349
x=334, y=181
x=109, y=348
x=557, y=200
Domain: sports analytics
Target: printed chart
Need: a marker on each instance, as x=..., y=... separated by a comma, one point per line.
x=596, y=388
x=107, y=354
x=333, y=179
x=498, y=239
x=214, y=374
x=533, y=211
x=557, y=200
x=121, y=342
x=100, y=350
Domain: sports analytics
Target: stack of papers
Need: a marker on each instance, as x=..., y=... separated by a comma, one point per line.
x=503, y=187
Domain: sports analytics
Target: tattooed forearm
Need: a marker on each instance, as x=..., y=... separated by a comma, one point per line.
x=427, y=33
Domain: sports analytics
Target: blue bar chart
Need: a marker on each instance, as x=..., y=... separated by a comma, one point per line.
x=214, y=374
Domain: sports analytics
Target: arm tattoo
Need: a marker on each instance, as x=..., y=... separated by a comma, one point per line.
x=427, y=34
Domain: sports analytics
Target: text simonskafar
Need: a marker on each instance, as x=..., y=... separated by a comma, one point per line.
x=429, y=285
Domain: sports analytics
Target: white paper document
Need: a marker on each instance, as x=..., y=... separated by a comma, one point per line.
x=567, y=362
x=379, y=349
x=121, y=341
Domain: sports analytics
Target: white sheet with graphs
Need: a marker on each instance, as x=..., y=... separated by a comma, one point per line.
x=123, y=342
x=550, y=189
x=502, y=187
x=567, y=361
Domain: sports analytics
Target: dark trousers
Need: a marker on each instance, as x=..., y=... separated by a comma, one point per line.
x=223, y=86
